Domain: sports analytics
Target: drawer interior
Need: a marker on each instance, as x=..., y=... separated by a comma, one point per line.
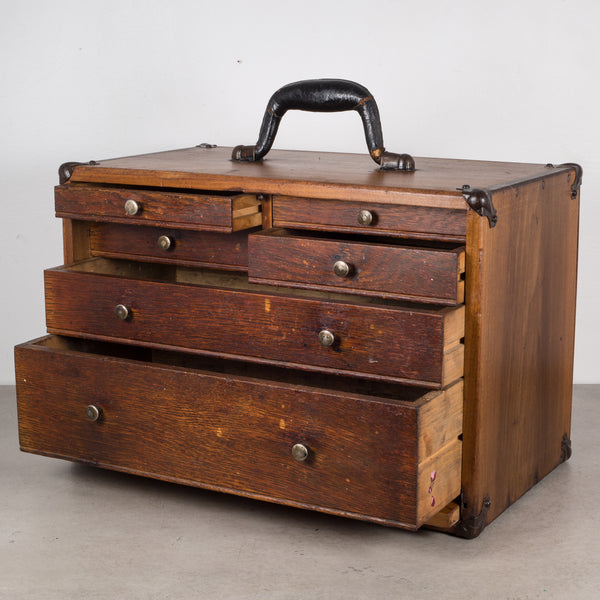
x=215, y=278
x=400, y=394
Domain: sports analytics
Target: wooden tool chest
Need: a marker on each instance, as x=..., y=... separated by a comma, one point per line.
x=388, y=345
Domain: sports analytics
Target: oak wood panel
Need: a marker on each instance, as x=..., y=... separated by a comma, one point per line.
x=169, y=209
x=233, y=433
x=389, y=220
x=378, y=269
x=518, y=341
x=312, y=174
x=197, y=248
x=393, y=342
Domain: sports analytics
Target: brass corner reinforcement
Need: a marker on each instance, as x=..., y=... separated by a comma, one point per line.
x=480, y=200
x=66, y=169
x=472, y=526
x=578, y=176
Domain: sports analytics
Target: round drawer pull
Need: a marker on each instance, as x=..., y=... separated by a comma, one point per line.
x=165, y=242
x=93, y=413
x=342, y=269
x=121, y=311
x=326, y=338
x=300, y=452
x=132, y=207
x=365, y=217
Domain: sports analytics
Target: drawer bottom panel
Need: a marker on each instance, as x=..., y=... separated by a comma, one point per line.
x=386, y=459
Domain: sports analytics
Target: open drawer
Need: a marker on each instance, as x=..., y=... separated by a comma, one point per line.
x=211, y=312
x=217, y=211
x=383, y=453
x=379, y=267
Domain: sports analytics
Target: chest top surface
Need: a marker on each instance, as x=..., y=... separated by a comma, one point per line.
x=324, y=175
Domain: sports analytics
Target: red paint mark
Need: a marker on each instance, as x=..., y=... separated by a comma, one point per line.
x=432, y=501
x=433, y=474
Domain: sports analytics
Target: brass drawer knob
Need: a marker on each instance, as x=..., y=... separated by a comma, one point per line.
x=342, y=269
x=326, y=338
x=365, y=217
x=164, y=242
x=300, y=452
x=132, y=207
x=93, y=413
x=121, y=311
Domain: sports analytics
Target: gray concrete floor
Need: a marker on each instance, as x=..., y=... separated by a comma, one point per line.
x=74, y=532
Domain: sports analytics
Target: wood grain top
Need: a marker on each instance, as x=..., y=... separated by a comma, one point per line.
x=324, y=175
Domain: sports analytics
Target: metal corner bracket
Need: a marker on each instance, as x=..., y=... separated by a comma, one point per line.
x=66, y=170
x=471, y=527
x=578, y=176
x=480, y=200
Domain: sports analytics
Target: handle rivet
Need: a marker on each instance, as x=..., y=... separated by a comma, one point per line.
x=326, y=338
x=300, y=452
x=164, y=242
x=121, y=311
x=365, y=217
x=132, y=207
x=93, y=413
x=341, y=268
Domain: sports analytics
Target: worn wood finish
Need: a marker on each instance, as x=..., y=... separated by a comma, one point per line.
x=397, y=343
x=76, y=240
x=521, y=280
x=194, y=248
x=173, y=424
x=204, y=212
x=212, y=378
x=325, y=175
x=418, y=222
x=381, y=269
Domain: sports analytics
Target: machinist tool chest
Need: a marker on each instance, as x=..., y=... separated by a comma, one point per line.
x=392, y=343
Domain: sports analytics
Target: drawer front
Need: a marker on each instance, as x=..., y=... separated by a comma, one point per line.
x=169, y=209
x=173, y=246
x=369, y=218
x=396, y=343
x=376, y=269
x=371, y=458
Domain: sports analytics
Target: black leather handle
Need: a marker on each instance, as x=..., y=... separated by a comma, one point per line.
x=325, y=95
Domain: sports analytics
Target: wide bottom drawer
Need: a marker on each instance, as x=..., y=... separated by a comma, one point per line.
x=383, y=453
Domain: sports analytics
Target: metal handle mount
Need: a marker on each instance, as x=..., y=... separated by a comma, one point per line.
x=325, y=95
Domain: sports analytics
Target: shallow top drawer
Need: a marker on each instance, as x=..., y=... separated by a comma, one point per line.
x=209, y=212
x=370, y=218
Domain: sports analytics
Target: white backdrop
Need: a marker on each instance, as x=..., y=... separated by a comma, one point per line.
x=80, y=80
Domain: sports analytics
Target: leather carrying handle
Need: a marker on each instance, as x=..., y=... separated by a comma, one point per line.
x=325, y=95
